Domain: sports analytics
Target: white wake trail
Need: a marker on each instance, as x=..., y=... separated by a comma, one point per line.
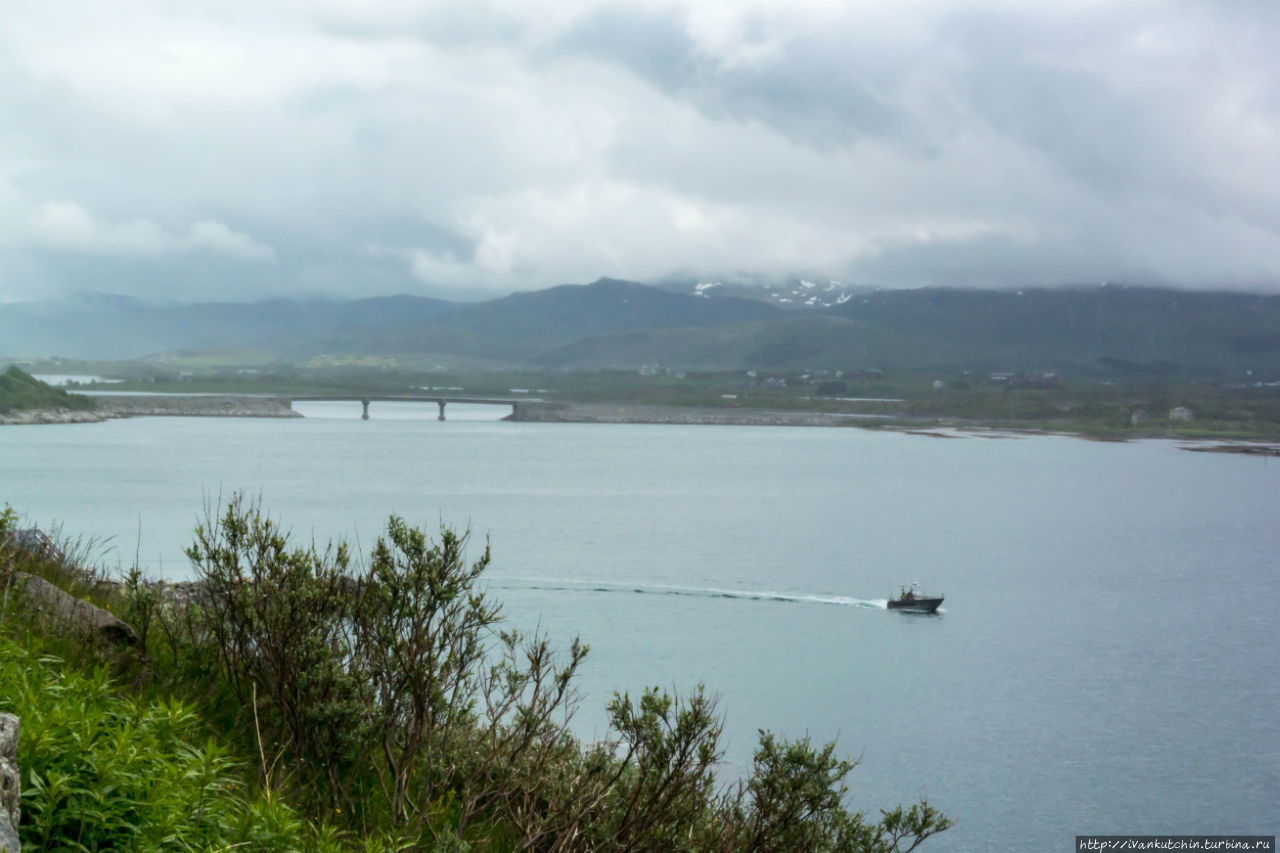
x=559, y=585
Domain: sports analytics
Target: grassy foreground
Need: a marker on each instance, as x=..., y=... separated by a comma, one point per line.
x=302, y=699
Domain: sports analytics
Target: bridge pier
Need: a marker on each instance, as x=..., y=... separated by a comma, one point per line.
x=365, y=403
x=441, y=404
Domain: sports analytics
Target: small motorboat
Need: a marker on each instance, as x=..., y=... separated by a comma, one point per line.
x=914, y=600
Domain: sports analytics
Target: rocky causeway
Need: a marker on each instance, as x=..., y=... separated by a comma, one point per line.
x=160, y=405
x=606, y=413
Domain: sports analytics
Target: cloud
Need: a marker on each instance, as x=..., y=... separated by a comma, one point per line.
x=65, y=225
x=505, y=144
x=216, y=237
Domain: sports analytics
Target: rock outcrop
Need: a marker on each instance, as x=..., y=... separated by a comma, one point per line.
x=194, y=405
x=10, y=791
x=51, y=416
x=41, y=597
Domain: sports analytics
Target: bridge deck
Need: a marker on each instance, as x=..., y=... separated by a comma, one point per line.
x=419, y=398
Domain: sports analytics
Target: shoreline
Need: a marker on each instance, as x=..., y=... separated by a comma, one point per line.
x=932, y=427
x=26, y=417
x=116, y=406
x=640, y=413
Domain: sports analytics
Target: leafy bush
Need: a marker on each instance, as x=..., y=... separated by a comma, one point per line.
x=105, y=771
x=391, y=695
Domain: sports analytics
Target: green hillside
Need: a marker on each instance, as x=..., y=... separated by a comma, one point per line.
x=794, y=341
x=20, y=391
x=517, y=328
x=1141, y=330
x=1103, y=331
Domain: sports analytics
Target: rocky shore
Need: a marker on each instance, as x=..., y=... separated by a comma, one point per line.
x=51, y=416
x=606, y=413
x=194, y=405
x=157, y=405
x=1246, y=448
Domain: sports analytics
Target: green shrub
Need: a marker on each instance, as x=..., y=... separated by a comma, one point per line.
x=391, y=696
x=20, y=390
x=106, y=771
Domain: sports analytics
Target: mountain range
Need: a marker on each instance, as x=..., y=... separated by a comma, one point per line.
x=617, y=324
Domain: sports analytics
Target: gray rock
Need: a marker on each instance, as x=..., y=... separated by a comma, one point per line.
x=50, y=416
x=10, y=791
x=42, y=597
x=195, y=405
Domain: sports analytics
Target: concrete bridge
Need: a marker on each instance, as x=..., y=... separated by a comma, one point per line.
x=439, y=400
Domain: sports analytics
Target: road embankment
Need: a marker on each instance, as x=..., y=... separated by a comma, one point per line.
x=607, y=413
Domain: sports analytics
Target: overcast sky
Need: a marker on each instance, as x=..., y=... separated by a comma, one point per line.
x=237, y=149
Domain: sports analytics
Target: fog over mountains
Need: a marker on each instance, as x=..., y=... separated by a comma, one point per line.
x=1103, y=330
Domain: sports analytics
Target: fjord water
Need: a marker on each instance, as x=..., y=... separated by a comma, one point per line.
x=1106, y=662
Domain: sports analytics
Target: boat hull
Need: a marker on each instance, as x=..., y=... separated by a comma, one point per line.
x=916, y=605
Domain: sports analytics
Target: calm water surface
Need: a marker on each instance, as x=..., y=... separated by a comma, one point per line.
x=1106, y=662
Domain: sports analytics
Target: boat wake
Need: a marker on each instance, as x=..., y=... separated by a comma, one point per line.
x=694, y=592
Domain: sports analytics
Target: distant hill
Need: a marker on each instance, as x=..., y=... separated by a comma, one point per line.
x=519, y=327
x=1111, y=330
x=793, y=341
x=1136, y=329
x=792, y=294
x=1100, y=330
